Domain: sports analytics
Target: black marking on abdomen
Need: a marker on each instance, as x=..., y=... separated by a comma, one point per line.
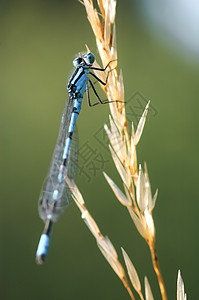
x=64, y=162
x=75, y=111
x=70, y=135
x=48, y=227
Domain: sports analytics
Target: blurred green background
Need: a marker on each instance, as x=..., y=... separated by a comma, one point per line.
x=38, y=42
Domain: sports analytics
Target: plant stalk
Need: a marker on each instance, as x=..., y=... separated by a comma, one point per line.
x=157, y=270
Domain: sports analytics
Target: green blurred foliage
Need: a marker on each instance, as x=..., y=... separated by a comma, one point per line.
x=38, y=42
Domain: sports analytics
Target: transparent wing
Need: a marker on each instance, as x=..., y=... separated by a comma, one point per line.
x=51, y=182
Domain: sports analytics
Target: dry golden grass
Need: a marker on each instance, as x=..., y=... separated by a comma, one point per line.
x=137, y=197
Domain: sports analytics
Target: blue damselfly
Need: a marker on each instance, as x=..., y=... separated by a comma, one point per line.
x=55, y=194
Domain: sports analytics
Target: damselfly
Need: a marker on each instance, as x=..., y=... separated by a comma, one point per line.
x=55, y=195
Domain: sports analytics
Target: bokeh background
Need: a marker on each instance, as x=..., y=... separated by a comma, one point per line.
x=38, y=42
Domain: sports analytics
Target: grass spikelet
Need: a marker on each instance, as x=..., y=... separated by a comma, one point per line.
x=181, y=295
x=132, y=274
x=148, y=293
x=118, y=193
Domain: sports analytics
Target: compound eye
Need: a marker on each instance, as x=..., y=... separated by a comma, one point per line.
x=89, y=58
x=77, y=61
